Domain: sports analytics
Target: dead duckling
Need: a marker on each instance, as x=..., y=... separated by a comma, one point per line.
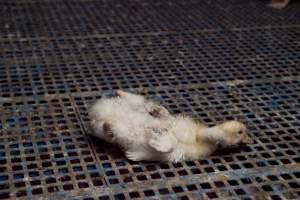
x=147, y=131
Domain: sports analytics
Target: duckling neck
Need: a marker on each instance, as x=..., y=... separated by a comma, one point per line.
x=214, y=135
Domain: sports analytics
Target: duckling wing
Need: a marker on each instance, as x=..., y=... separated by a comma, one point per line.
x=162, y=141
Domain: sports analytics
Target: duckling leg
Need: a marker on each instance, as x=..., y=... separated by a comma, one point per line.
x=132, y=98
x=156, y=111
x=135, y=155
x=107, y=128
x=153, y=109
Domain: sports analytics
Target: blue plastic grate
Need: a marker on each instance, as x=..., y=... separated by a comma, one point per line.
x=44, y=150
x=213, y=60
x=57, y=66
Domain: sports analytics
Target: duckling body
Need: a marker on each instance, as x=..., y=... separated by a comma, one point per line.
x=129, y=119
x=147, y=131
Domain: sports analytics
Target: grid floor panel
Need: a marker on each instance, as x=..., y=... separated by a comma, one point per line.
x=212, y=60
x=56, y=66
x=44, y=149
x=52, y=18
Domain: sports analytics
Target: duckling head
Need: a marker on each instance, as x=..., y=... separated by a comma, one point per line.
x=234, y=132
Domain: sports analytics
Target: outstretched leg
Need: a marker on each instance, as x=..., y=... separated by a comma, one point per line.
x=107, y=129
x=135, y=155
x=156, y=111
x=102, y=129
x=153, y=109
x=131, y=98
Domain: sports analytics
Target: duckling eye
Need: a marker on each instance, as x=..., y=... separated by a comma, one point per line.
x=240, y=132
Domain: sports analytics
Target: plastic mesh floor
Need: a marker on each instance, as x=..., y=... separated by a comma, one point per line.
x=214, y=60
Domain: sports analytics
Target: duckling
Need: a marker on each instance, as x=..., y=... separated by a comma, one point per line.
x=279, y=4
x=147, y=131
